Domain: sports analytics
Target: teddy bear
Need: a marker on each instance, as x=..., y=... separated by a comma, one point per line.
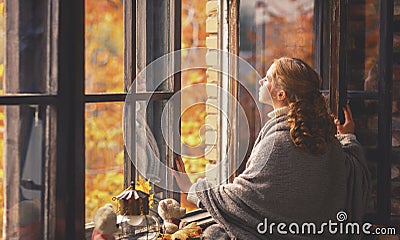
x=171, y=212
x=105, y=223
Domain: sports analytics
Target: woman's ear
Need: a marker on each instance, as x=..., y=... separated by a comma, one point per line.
x=281, y=95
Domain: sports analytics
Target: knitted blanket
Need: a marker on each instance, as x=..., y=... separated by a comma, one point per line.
x=283, y=184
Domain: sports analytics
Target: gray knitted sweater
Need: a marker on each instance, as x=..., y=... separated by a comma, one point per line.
x=283, y=184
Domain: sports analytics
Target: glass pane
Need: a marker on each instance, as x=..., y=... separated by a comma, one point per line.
x=2, y=39
x=155, y=39
x=363, y=35
x=151, y=136
x=104, y=153
x=152, y=143
x=25, y=145
x=365, y=114
x=193, y=96
x=278, y=28
x=396, y=39
x=396, y=44
x=395, y=208
x=396, y=115
x=1, y=166
x=104, y=46
x=24, y=65
x=149, y=141
x=271, y=29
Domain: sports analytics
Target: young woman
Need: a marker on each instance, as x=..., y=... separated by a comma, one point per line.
x=305, y=167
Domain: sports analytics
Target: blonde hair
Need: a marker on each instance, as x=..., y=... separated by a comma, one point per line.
x=312, y=127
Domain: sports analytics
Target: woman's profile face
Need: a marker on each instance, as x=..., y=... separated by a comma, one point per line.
x=266, y=85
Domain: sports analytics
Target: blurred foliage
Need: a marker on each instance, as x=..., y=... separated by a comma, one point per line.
x=1, y=166
x=288, y=36
x=104, y=44
x=104, y=72
x=371, y=34
x=193, y=119
x=104, y=176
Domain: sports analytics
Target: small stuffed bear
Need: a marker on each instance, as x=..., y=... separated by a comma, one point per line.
x=171, y=212
x=105, y=223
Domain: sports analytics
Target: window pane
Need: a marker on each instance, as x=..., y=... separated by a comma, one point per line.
x=155, y=38
x=104, y=46
x=271, y=29
x=193, y=109
x=25, y=135
x=365, y=114
x=281, y=28
x=2, y=38
x=24, y=63
x=148, y=142
x=104, y=153
x=363, y=35
x=395, y=173
x=1, y=166
x=150, y=147
x=149, y=132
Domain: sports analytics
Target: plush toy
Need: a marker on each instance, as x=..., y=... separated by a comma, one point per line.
x=171, y=212
x=105, y=223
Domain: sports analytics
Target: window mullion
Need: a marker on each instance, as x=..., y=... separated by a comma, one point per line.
x=70, y=166
x=30, y=99
x=130, y=74
x=233, y=46
x=385, y=83
x=338, y=59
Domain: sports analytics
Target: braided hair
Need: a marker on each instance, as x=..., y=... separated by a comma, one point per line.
x=312, y=127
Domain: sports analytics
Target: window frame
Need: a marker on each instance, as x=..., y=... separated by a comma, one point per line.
x=135, y=62
x=337, y=49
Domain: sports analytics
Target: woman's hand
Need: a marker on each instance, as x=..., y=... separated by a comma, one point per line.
x=348, y=125
x=182, y=178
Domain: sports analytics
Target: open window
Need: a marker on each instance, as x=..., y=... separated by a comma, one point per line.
x=361, y=60
x=62, y=127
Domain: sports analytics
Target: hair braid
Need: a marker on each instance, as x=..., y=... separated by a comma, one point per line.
x=312, y=127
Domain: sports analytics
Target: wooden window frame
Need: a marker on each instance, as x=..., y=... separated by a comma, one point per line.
x=332, y=51
x=136, y=32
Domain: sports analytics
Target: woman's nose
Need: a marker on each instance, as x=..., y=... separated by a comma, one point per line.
x=261, y=82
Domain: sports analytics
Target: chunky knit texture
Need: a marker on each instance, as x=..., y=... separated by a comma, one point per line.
x=285, y=184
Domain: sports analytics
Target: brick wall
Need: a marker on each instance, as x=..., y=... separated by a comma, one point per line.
x=212, y=113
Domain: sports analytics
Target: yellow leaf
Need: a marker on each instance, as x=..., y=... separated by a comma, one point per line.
x=143, y=186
